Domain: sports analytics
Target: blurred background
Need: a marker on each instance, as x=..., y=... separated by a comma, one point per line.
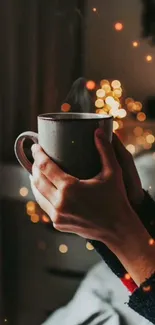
x=45, y=46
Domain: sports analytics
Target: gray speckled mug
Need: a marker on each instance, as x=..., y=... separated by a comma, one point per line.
x=68, y=139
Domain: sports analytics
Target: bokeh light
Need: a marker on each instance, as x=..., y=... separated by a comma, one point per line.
x=150, y=138
x=115, y=126
x=141, y=117
x=135, y=44
x=94, y=9
x=122, y=113
x=99, y=103
x=104, y=82
x=140, y=140
x=63, y=248
x=65, y=107
x=34, y=217
x=90, y=85
x=149, y=58
x=127, y=276
x=138, y=131
x=147, y=288
x=89, y=246
x=30, y=207
x=131, y=148
x=45, y=218
x=151, y=242
x=138, y=106
x=118, y=92
x=106, y=88
x=116, y=84
x=23, y=191
x=129, y=100
x=118, y=26
x=109, y=100
x=100, y=93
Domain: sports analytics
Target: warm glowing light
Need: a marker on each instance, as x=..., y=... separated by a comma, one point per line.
x=107, y=108
x=141, y=117
x=89, y=246
x=147, y=288
x=30, y=206
x=127, y=276
x=151, y=242
x=45, y=218
x=115, y=125
x=23, y=191
x=114, y=112
x=148, y=58
x=118, y=92
x=99, y=103
x=138, y=131
x=100, y=93
x=63, y=249
x=107, y=88
x=104, y=82
x=118, y=26
x=122, y=113
x=120, y=124
x=65, y=107
x=135, y=44
x=5, y=320
x=129, y=100
x=100, y=111
x=109, y=100
x=94, y=9
x=138, y=106
x=131, y=107
x=116, y=84
x=140, y=140
x=131, y=148
x=150, y=138
x=90, y=85
x=34, y=217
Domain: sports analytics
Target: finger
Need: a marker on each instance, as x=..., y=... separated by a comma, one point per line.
x=41, y=200
x=46, y=188
x=106, y=151
x=47, y=166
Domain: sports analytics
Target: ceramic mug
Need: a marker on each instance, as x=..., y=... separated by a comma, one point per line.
x=68, y=139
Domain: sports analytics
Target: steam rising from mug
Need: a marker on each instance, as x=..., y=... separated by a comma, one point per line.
x=79, y=97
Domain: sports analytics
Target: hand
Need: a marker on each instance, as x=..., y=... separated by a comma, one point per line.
x=96, y=209
x=131, y=178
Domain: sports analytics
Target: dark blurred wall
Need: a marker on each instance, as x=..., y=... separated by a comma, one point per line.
x=110, y=54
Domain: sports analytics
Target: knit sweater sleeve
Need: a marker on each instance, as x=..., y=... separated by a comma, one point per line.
x=141, y=300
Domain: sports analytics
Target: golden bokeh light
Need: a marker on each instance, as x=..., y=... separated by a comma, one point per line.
x=122, y=113
x=138, y=106
x=65, y=107
x=30, y=207
x=135, y=44
x=150, y=138
x=107, y=88
x=131, y=148
x=141, y=117
x=34, y=217
x=100, y=93
x=100, y=111
x=94, y=9
x=129, y=100
x=90, y=85
x=89, y=246
x=99, y=103
x=107, y=108
x=23, y=191
x=63, y=248
x=138, y=131
x=114, y=112
x=140, y=140
x=118, y=26
x=45, y=218
x=104, y=82
x=109, y=100
x=149, y=58
x=115, y=126
x=151, y=241
x=116, y=84
x=118, y=92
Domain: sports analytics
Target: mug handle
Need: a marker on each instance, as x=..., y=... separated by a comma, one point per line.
x=19, y=149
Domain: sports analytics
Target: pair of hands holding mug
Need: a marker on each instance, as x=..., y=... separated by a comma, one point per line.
x=92, y=208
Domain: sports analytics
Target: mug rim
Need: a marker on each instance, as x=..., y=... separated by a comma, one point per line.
x=85, y=116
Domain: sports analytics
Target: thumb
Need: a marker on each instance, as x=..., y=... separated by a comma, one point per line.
x=105, y=150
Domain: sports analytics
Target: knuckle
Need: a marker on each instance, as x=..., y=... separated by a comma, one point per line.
x=42, y=165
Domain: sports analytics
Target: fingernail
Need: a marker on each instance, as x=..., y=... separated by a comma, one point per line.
x=35, y=147
x=100, y=133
